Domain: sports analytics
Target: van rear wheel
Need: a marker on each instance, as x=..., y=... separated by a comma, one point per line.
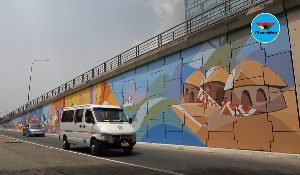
x=66, y=144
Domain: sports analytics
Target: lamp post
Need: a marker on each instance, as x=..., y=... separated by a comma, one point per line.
x=31, y=76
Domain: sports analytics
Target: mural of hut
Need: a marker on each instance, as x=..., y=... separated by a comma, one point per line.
x=192, y=86
x=254, y=85
x=214, y=83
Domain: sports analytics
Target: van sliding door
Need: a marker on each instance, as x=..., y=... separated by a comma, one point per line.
x=79, y=127
x=88, y=126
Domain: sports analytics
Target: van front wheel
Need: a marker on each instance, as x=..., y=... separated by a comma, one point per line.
x=128, y=150
x=94, y=148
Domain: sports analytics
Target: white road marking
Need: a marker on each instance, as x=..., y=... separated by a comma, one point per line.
x=115, y=161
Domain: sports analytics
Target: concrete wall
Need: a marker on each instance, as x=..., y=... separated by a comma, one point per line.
x=229, y=91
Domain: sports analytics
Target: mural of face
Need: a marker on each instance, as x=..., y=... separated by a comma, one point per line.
x=53, y=118
x=27, y=118
x=33, y=119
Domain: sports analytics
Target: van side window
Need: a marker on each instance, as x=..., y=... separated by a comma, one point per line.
x=79, y=113
x=67, y=116
x=88, y=116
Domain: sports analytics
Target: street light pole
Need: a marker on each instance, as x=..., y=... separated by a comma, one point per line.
x=31, y=76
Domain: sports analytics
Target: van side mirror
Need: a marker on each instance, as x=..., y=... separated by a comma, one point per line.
x=130, y=120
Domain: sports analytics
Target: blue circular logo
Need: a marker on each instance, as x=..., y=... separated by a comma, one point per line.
x=265, y=27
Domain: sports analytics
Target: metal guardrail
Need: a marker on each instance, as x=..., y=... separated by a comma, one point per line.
x=207, y=18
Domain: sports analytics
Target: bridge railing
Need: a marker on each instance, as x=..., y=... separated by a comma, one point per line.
x=209, y=17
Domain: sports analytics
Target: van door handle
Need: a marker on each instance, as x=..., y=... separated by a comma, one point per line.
x=80, y=126
x=83, y=126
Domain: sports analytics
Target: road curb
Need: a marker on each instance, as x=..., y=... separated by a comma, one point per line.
x=262, y=154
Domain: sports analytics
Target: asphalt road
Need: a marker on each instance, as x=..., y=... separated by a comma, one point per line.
x=181, y=161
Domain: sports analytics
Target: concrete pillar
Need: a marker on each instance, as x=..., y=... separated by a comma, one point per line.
x=293, y=17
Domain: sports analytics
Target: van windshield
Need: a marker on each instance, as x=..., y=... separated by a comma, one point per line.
x=109, y=115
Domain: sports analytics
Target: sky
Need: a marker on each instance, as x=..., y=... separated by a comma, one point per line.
x=74, y=35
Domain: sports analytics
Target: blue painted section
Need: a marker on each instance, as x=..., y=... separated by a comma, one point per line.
x=285, y=70
x=174, y=138
x=141, y=77
x=282, y=39
x=173, y=66
x=191, y=138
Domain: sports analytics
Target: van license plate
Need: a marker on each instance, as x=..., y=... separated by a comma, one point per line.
x=125, y=144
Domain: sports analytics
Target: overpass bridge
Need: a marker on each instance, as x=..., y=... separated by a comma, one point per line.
x=205, y=82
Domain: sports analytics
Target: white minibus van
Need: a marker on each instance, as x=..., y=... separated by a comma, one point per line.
x=99, y=127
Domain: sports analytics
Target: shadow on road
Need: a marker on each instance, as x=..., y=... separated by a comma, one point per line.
x=107, y=153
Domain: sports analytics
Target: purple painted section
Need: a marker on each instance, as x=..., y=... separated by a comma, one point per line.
x=258, y=56
x=175, y=92
x=138, y=97
x=91, y=94
x=177, y=72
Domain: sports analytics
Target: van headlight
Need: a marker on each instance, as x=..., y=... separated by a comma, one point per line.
x=133, y=135
x=107, y=136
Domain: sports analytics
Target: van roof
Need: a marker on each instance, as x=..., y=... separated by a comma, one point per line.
x=91, y=106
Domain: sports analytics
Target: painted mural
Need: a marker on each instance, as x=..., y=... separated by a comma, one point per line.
x=48, y=115
x=230, y=92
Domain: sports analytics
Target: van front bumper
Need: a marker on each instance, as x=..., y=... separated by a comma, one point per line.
x=116, y=144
